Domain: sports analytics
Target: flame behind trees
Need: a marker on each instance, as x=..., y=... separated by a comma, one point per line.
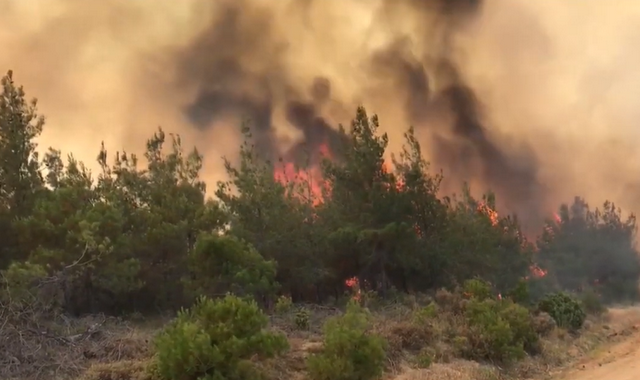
x=379, y=221
x=385, y=224
x=133, y=230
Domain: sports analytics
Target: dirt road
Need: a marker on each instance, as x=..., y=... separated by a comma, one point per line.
x=625, y=368
x=619, y=362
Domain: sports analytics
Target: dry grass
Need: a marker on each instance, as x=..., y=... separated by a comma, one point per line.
x=96, y=348
x=456, y=370
x=55, y=347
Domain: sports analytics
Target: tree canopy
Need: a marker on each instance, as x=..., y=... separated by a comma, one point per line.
x=143, y=235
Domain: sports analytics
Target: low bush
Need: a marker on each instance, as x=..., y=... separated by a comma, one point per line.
x=216, y=340
x=543, y=323
x=477, y=289
x=566, y=310
x=302, y=319
x=498, y=331
x=350, y=351
x=521, y=293
x=284, y=304
x=592, y=303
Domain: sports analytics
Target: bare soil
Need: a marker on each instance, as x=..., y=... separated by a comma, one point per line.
x=620, y=361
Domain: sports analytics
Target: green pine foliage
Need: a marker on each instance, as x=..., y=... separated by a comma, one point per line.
x=566, y=310
x=350, y=351
x=216, y=339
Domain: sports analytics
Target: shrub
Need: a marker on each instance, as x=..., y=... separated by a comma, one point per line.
x=452, y=302
x=350, y=351
x=478, y=289
x=283, y=305
x=543, y=323
x=520, y=293
x=521, y=323
x=302, y=319
x=564, y=309
x=498, y=331
x=409, y=336
x=19, y=285
x=444, y=298
x=592, y=303
x=220, y=264
x=215, y=340
x=425, y=358
x=425, y=314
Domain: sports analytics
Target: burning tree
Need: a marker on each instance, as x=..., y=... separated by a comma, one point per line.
x=353, y=214
x=384, y=223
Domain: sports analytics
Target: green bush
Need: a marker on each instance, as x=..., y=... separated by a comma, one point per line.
x=215, y=340
x=350, y=352
x=220, y=264
x=425, y=358
x=302, y=319
x=18, y=283
x=564, y=309
x=478, y=289
x=520, y=293
x=500, y=331
x=522, y=325
x=425, y=314
x=284, y=304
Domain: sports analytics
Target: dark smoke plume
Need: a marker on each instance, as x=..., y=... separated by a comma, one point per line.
x=465, y=146
x=508, y=94
x=220, y=59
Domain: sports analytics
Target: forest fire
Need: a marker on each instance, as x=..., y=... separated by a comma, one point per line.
x=311, y=180
x=483, y=207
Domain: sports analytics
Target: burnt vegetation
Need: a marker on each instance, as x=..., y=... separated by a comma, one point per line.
x=140, y=236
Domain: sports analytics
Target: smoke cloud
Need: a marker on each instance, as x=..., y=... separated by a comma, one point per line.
x=534, y=100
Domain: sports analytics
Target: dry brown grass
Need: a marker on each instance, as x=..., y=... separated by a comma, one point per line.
x=120, y=370
x=33, y=347
x=456, y=370
x=118, y=350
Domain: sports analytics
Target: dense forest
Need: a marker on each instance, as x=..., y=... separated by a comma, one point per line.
x=141, y=235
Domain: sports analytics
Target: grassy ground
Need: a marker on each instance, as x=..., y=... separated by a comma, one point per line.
x=95, y=348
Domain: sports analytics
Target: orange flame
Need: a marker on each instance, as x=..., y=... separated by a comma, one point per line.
x=311, y=177
x=491, y=213
x=536, y=271
x=353, y=284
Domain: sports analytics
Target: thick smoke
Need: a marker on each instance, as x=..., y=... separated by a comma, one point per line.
x=534, y=100
x=237, y=65
x=463, y=144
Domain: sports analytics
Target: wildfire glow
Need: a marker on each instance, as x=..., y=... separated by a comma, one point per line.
x=536, y=271
x=312, y=179
x=491, y=213
x=353, y=284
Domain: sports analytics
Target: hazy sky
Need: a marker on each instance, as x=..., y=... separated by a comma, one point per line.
x=558, y=80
